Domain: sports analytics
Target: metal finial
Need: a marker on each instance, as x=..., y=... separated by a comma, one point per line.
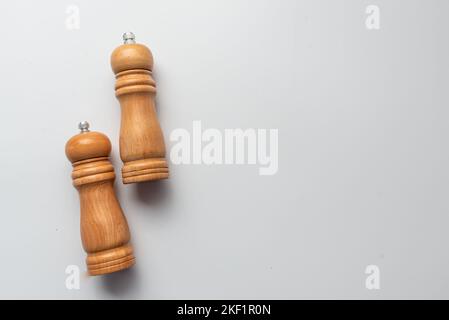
x=129, y=38
x=84, y=126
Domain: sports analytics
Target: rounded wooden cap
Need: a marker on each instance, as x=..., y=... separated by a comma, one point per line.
x=131, y=56
x=87, y=145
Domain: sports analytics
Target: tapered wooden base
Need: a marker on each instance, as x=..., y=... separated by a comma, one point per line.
x=109, y=261
x=145, y=170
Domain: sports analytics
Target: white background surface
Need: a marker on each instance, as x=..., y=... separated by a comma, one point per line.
x=363, y=148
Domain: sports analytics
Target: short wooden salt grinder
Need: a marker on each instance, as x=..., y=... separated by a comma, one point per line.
x=142, y=147
x=104, y=230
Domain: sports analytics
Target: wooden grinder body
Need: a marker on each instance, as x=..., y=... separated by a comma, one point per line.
x=142, y=147
x=104, y=230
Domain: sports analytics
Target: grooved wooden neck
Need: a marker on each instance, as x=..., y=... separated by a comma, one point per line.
x=134, y=81
x=91, y=171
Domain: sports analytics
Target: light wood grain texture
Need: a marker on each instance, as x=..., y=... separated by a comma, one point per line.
x=142, y=147
x=104, y=230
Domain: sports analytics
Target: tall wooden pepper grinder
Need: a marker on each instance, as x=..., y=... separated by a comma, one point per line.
x=104, y=230
x=142, y=147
